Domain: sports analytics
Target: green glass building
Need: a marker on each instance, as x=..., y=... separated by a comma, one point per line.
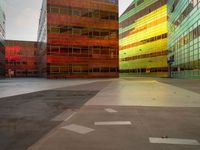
x=184, y=38
x=2, y=37
x=143, y=39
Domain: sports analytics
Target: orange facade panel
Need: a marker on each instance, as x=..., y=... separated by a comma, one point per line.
x=79, y=40
x=96, y=61
x=87, y=4
x=60, y=19
x=21, y=60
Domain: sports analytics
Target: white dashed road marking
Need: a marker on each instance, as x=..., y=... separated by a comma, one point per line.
x=173, y=141
x=110, y=110
x=78, y=129
x=63, y=116
x=70, y=116
x=113, y=123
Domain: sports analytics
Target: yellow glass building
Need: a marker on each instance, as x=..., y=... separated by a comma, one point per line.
x=143, y=39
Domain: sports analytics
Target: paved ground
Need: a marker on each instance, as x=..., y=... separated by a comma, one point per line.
x=192, y=85
x=146, y=92
x=146, y=122
x=16, y=86
x=114, y=114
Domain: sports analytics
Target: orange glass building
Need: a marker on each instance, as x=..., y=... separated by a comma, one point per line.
x=78, y=39
x=21, y=59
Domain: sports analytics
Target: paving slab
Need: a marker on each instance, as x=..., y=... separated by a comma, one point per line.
x=175, y=123
x=148, y=92
x=18, y=86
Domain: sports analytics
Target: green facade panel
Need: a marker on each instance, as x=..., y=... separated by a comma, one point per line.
x=184, y=38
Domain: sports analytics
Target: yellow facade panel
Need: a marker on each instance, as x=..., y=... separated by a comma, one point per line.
x=144, y=48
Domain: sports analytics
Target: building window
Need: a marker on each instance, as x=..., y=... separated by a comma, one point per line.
x=76, y=12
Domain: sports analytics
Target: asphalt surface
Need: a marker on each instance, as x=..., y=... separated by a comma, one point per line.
x=24, y=119
x=18, y=86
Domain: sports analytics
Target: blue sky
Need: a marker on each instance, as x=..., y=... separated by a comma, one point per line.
x=22, y=18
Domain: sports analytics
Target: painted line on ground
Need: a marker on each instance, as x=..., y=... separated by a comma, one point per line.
x=173, y=141
x=110, y=110
x=63, y=116
x=70, y=116
x=78, y=129
x=107, y=123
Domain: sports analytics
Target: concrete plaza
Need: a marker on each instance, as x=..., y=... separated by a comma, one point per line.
x=100, y=114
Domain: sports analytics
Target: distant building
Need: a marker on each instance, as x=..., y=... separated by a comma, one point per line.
x=143, y=39
x=184, y=38
x=21, y=59
x=78, y=38
x=2, y=37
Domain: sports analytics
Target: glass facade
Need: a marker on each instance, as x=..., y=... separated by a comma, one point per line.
x=2, y=37
x=42, y=41
x=143, y=39
x=184, y=38
x=21, y=58
x=82, y=39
